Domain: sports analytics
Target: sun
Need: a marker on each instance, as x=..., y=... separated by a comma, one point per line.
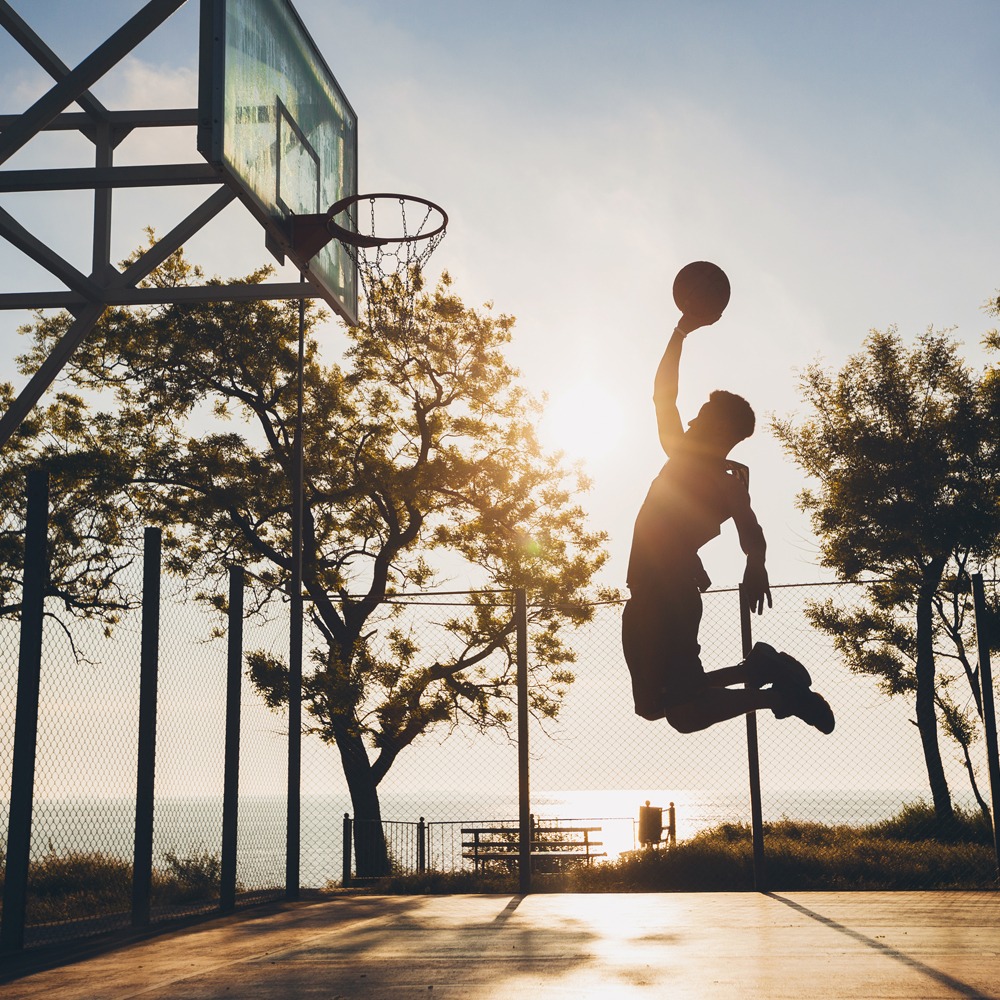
x=585, y=421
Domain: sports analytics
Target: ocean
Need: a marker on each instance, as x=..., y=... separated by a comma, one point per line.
x=192, y=826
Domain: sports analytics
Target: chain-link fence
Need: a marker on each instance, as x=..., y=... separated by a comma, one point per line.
x=869, y=775
x=596, y=762
x=592, y=764
x=84, y=815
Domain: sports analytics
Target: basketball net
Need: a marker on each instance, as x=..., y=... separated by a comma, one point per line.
x=392, y=273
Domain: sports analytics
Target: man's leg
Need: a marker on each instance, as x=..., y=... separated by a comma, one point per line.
x=764, y=665
x=727, y=676
x=714, y=704
x=660, y=643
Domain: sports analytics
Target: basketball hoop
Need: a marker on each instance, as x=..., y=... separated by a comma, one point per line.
x=402, y=233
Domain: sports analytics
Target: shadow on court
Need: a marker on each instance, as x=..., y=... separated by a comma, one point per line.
x=725, y=945
x=956, y=986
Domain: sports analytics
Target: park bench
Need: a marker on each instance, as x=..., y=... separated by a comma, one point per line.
x=504, y=844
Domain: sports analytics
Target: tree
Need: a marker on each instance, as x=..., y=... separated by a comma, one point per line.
x=903, y=445
x=421, y=445
x=92, y=522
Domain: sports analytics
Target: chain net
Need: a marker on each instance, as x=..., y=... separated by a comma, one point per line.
x=391, y=274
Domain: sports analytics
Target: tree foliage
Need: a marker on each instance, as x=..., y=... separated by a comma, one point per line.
x=902, y=446
x=421, y=461
x=92, y=520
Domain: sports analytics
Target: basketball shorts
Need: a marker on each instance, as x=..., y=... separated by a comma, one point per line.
x=660, y=642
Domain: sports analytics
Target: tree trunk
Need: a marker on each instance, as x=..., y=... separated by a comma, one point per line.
x=370, y=855
x=925, y=670
x=983, y=807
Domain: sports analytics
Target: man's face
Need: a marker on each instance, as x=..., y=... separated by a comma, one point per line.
x=706, y=423
x=712, y=433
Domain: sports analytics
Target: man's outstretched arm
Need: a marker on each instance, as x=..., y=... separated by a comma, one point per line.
x=668, y=419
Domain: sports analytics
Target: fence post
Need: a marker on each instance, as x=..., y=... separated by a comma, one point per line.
x=231, y=779
x=149, y=660
x=756, y=813
x=989, y=717
x=672, y=824
x=29, y=673
x=524, y=798
x=346, y=880
x=421, y=846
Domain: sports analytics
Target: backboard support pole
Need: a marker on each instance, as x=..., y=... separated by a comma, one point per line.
x=50, y=368
x=90, y=314
x=19, y=30
x=15, y=234
x=73, y=86
x=271, y=291
x=104, y=157
x=294, y=812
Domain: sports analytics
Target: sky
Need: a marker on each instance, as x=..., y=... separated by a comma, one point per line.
x=838, y=160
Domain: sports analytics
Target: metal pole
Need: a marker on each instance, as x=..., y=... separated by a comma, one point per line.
x=756, y=813
x=421, y=846
x=346, y=880
x=524, y=798
x=86, y=318
x=18, y=29
x=142, y=862
x=294, y=828
x=231, y=780
x=29, y=671
x=989, y=716
x=79, y=80
x=101, y=258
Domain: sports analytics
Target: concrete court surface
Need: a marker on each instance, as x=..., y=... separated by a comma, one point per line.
x=804, y=945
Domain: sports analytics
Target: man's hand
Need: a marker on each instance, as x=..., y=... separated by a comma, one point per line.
x=756, y=587
x=688, y=324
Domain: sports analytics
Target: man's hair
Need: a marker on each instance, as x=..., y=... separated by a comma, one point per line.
x=734, y=411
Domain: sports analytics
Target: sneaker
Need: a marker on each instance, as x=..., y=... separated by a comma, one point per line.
x=812, y=708
x=768, y=666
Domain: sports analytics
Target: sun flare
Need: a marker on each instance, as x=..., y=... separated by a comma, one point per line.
x=585, y=421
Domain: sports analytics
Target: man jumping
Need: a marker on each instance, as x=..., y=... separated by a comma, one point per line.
x=695, y=492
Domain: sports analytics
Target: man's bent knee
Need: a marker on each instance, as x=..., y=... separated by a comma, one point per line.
x=685, y=718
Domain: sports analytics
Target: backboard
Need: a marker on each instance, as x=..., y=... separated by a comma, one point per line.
x=274, y=122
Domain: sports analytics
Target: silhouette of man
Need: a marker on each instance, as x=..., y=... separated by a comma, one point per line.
x=695, y=492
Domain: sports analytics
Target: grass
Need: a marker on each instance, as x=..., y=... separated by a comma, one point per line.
x=90, y=883
x=912, y=850
x=799, y=856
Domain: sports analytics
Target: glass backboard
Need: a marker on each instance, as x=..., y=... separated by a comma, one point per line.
x=275, y=123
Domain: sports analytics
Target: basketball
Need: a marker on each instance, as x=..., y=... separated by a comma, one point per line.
x=701, y=290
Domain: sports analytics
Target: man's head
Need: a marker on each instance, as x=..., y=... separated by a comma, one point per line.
x=724, y=421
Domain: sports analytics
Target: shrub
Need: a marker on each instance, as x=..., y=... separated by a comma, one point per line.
x=909, y=851
x=187, y=880
x=82, y=884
